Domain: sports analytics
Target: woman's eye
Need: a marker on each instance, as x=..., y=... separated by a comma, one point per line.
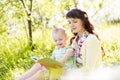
x=69, y=22
x=74, y=21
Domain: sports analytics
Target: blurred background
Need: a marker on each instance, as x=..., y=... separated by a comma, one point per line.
x=26, y=25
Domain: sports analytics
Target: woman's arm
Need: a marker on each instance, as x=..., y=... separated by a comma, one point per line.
x=93, y=56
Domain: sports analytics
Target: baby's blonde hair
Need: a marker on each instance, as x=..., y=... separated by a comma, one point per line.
x=59, y=30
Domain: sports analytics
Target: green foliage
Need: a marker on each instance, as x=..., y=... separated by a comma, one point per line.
x=112, y=50
x=11, y=54
x=110, y=41
x=3, y=29
x=43, y=42
x=16, y=54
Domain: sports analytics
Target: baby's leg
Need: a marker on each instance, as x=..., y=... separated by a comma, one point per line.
x=38, y=76
x=36, y=67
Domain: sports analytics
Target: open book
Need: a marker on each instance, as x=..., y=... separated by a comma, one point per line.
x=51, y=63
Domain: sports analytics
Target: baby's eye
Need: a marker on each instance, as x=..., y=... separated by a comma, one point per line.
x=60, y=39
x=55, y=40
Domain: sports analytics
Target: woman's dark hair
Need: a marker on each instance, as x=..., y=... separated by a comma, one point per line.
x=82, y=15
x=77, y=13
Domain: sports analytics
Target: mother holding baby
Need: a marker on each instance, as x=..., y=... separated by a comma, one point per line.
x=85, y=42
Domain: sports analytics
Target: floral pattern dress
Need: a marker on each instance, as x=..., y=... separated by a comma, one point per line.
x=77, y=45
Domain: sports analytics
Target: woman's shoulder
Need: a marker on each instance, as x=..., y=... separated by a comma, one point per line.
x=92, y=38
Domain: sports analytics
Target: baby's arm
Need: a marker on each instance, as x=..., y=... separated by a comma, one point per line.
x=67, y=55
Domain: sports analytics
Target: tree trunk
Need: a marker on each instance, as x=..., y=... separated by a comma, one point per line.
x=30, y=31
x=28, y=12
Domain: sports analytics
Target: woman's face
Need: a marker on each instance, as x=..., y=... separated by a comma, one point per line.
x=76, y=25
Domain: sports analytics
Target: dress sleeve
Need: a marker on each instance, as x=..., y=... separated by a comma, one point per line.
x=69, y=48
x=93, y=57
x=68, y=54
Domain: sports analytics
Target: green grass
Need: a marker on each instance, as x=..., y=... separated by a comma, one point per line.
x=15, y=53
x=111, y=43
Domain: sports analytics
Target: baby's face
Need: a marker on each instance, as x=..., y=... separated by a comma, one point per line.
x=60, y=39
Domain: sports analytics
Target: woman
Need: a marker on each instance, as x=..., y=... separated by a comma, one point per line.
x=85, y=42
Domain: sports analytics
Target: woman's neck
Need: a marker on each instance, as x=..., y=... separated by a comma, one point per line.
x=82, y=32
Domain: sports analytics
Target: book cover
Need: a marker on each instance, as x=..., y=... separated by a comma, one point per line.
x=50, y=63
